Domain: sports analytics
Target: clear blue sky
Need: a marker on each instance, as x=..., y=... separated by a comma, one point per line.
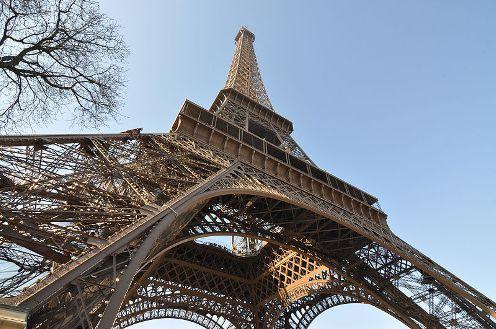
x=397, y=97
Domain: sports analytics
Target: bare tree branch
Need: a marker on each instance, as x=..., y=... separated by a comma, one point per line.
x=55, y=55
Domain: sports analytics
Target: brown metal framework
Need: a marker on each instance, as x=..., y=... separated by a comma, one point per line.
x=104, y=231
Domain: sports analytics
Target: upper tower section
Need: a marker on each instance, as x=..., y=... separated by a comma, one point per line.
x=244, y=74
x=241, y=122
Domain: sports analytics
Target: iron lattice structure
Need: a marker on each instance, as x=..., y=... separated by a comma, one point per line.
x=104, y=231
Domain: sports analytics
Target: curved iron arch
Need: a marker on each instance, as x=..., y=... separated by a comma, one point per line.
x=205, y=320
x=204, y=307
x=275, y=242
x=315, y=305
x=303, y=311
x=373, y=235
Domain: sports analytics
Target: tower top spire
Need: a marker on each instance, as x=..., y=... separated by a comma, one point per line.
x=243, y=31
x=244, y=74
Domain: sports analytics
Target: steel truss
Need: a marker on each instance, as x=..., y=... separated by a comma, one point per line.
x=101, y=231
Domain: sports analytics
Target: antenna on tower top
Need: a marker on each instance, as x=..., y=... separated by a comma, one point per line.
x=244, y=74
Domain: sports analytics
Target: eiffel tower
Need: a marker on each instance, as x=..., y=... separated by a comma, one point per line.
x=108, y=230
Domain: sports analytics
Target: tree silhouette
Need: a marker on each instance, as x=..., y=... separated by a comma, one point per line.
x=58, y=55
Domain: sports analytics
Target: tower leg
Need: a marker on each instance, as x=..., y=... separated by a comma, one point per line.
x=162, y=228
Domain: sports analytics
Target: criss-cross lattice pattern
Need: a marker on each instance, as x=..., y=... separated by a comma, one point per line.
x=244, y=74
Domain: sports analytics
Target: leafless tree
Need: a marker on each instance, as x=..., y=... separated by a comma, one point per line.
x=58, y=55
